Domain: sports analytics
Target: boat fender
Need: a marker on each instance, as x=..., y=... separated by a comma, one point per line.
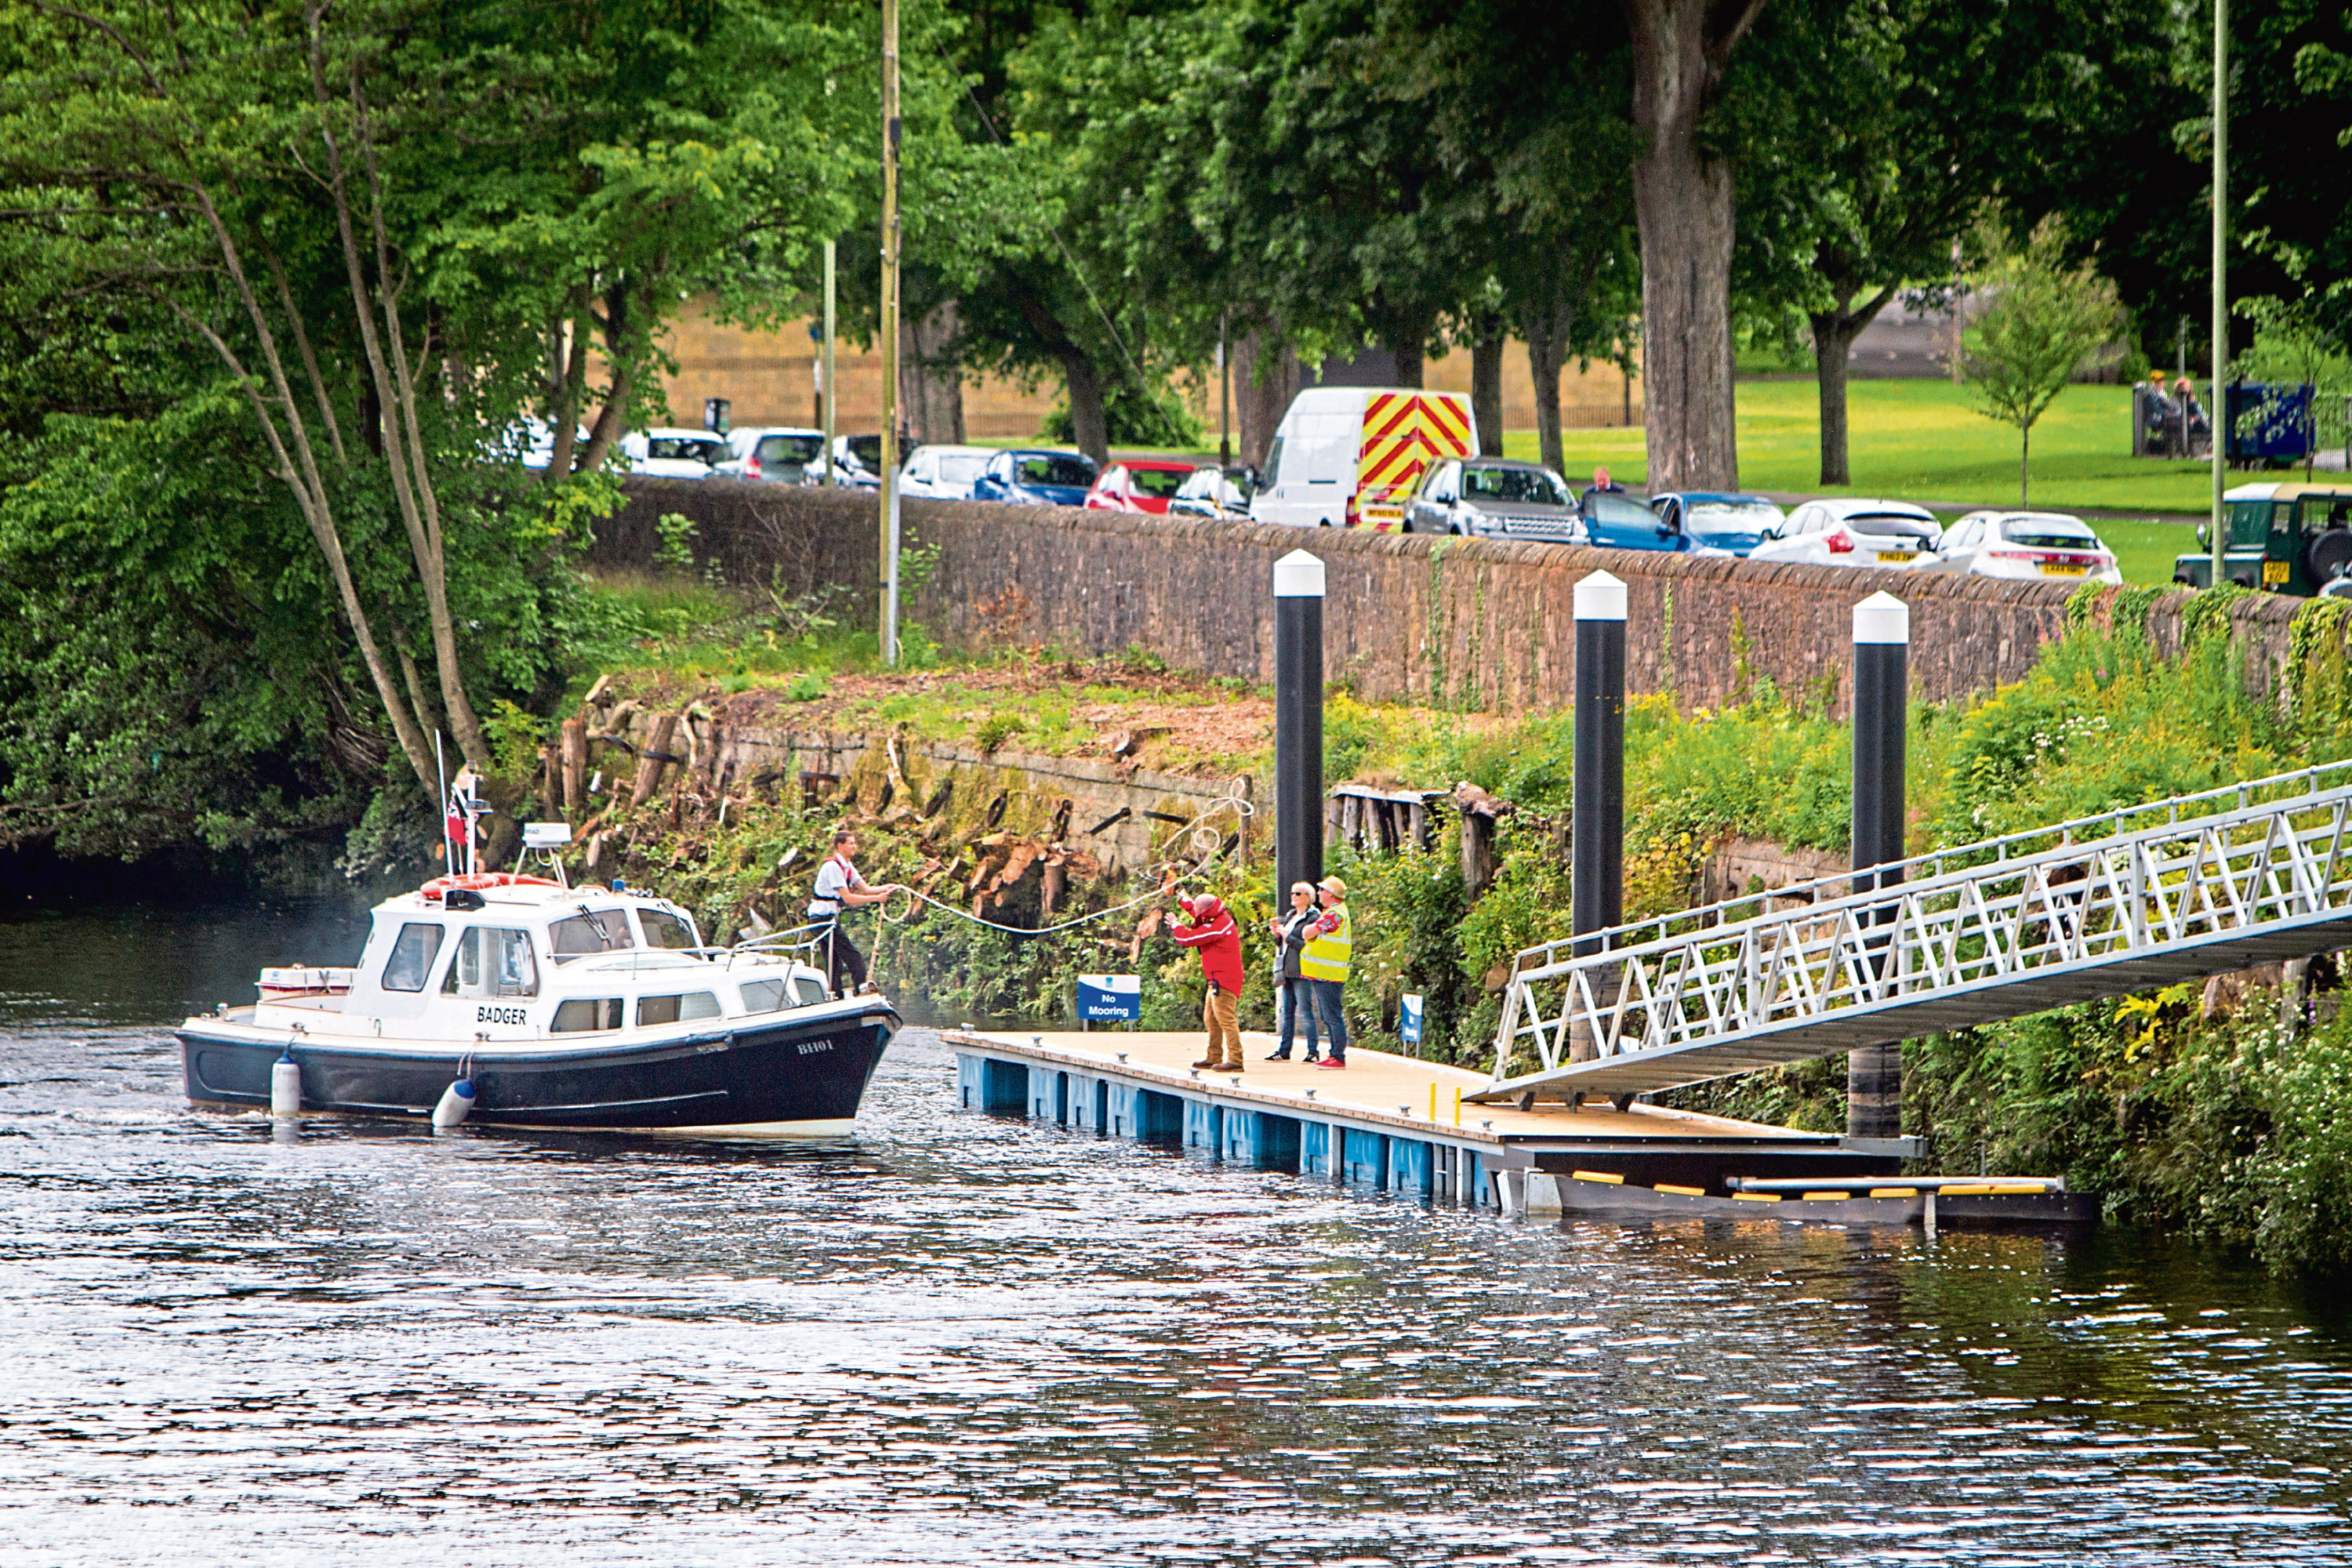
x=286, y=1087
x=457, y=1100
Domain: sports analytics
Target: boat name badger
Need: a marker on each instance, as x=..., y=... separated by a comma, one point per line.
x=501, y=1015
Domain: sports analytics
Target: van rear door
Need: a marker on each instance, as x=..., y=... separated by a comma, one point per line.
x=1403, y=434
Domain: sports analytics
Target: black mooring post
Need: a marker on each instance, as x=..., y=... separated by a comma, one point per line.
x=1298, y=722
x=1882, y=690
x=1597, y=847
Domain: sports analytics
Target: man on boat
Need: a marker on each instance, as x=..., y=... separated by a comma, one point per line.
x=1217, y=938
x=838, y=886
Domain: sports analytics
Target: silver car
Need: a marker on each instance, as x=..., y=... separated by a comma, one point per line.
x=1495, y=498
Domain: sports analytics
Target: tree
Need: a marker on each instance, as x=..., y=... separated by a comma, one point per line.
x=394, y=226
x=1683, y=200
x=2295, y=346
x=2047, y=317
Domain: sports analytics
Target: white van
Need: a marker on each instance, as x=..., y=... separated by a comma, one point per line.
x=1350, y=456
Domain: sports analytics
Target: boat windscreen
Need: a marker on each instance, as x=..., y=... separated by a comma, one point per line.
x=411, y=963
x=667, y=930
x=590, y=930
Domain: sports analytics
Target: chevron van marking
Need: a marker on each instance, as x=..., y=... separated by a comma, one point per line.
x=1404, y=434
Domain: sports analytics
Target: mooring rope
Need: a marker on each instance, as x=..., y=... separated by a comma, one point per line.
x=1206, y=850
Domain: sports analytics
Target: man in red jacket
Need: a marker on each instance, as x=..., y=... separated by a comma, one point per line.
x=1213, y=934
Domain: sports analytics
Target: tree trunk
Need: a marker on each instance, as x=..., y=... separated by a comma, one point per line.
x=1090, y=423
x=1410, y=349
x=1266, y=378
x=1833, y=333
x=1832, y=341
x=1486, y=387
x=930, y=389
x=1683, y=201
x=1544, y=355
x=2025, y=460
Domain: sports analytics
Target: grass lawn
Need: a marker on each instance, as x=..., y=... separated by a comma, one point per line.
x=1922, y=440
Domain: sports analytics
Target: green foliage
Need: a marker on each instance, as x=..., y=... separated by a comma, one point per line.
x=676, y=551
x=2047, y=316
x=1156, y=418
x=805, y=687
x=997, y=729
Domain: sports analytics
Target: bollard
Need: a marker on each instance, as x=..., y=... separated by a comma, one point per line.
x=1882, y=683
x=1597, y=830
x=1298, y=722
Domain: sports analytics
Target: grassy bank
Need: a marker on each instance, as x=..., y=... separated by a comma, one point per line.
x=1923, y=440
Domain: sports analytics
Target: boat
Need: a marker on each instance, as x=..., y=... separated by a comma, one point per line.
x=495, y=998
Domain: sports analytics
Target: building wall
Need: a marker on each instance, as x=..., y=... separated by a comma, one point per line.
x=1472, y=623
x=769, y=377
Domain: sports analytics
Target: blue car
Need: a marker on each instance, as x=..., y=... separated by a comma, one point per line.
x=1709, y=520
x=1692, y=522
x=1036, y=477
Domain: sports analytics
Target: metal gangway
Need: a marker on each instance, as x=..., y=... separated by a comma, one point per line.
x=2097, y=907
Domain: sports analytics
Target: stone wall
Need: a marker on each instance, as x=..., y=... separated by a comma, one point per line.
x=1475, y=624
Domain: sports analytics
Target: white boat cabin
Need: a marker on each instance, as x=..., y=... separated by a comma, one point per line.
x=525, y=959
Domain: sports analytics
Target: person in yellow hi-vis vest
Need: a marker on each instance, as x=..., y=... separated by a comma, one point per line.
x=1323, y=963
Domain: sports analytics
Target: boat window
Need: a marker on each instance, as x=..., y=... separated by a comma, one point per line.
x=686, y=1009
x=583, y=1013
x=667, y=930
x=590, y=930
x=763, y=995
x=812, y=989
x=411, y=963
x=491, y=962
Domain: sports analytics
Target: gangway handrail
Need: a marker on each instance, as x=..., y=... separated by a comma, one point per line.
x=1970, y=856
x=2177, y=892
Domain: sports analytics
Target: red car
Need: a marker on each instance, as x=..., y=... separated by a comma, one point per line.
x=1146, y=486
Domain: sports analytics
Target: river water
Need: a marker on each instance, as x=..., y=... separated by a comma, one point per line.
x=962, y=1340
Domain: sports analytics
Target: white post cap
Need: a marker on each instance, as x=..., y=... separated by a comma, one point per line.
x=1600, y=597
x=1298, y=575
x=1881, y=618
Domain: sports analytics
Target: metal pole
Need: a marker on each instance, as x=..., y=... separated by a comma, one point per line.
x=1597, y=842
x=1298, y=722
x=889, y=331
x=1225, y=402
x=829, y=400
x=1882, y=679
x=2217, y=410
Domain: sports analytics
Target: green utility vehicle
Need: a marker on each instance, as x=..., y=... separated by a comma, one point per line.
x=2283, y=539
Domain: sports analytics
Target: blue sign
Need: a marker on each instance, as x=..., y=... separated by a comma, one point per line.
x=1104, y=997
x=1409, y=1020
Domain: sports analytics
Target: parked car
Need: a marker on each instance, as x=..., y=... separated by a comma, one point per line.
x=665, y=454
x=533, y=440
x=1622, y=520
x=2283, y=539
x=1214, y=492
x=1144, y=485
x=857, y=461
x=1348, y=456
x=2023, y=544
x=1848, y=531
x=941, y=472
x=1494, y=498
x=774, y=454
x=1035, y=477
x=1716, y=520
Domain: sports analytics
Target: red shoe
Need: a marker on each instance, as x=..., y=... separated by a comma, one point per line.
x=1332, y=1062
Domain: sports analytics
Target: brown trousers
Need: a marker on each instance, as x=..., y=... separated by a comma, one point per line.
x=1224, y=1037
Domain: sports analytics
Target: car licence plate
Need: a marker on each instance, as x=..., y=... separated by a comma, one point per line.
x=2049, y=571
x=1383, y=518
x=2274, y=571
x=1894, y=557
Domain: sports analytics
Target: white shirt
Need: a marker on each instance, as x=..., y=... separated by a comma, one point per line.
x=836, y=877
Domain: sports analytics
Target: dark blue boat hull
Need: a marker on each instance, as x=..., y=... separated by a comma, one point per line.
x=749, y=1075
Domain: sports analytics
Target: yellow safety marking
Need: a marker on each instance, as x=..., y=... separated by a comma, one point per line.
x=1893, y=1192
x=1403, y=433
x=1598, y=1176
x=1457, y=1105
x=1757, y=1198
x=1826, y=1197
x=1685, y=1192
x=1970, y=1192
x=1433, y=1099
x=2008, y=1188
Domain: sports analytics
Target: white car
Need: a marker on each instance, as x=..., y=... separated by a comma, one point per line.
x=2024, y=544
x=943, y=473
x=665, y=454
x=857, y=461
x=1845, y=532
x=773, y=455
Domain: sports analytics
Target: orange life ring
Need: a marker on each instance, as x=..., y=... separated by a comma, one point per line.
x=475, y=882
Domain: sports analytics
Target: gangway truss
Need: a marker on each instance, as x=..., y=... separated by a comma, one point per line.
x=2097, y=907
